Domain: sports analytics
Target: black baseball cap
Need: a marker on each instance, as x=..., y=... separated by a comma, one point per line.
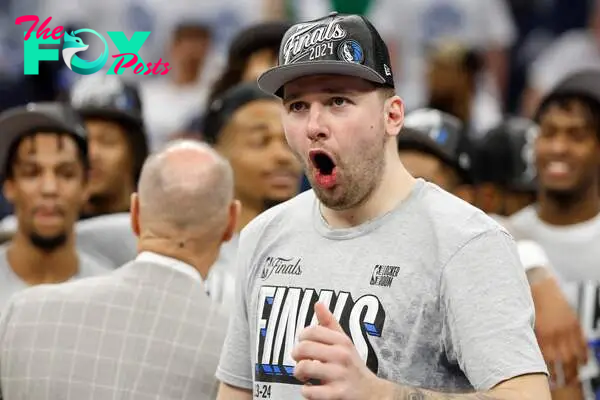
x=108, y=97
x=584, y=83
x=52, y=117
x=505, y=155
x=338, y=44
x=223, y=107
x=440, y=134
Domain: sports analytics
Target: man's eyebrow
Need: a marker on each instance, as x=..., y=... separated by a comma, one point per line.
x=327, y=90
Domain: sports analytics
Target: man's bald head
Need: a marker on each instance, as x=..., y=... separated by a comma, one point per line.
x=185, y=191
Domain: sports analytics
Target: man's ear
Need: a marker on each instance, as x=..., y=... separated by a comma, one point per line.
x=8, y=190
x=135, y=214
x=234, y=213
x=394, y=115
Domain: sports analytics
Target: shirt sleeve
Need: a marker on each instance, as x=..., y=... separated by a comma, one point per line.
x=489, y=312
x=532, y=255
x=235, y=365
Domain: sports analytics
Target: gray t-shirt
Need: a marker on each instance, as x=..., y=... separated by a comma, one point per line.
x=10, y=283
x=432, y=294
x=108, y=236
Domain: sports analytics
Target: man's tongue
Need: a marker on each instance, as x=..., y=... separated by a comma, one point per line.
x=326, y=180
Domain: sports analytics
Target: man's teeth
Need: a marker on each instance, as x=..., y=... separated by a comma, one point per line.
x=556, y=167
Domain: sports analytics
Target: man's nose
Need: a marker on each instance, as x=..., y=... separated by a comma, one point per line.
x=559, y=144
x=316, y=129
x=49, y=184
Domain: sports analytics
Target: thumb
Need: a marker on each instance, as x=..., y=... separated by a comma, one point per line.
x=326, y=318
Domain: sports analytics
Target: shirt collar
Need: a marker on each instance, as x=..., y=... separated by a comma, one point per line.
x=169, y=262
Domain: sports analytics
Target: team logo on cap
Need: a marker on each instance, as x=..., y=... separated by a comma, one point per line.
x=350, y=51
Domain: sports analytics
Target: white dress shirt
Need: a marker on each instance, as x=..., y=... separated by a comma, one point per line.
x=169, y=262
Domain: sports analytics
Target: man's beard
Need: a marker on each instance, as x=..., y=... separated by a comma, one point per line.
x=358, y=180
x=48, y=244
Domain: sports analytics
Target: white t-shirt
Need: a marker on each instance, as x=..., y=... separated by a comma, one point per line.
x=532, y=255
x=575, y=255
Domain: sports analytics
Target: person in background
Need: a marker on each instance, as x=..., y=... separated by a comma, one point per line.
x=565, y=220
x=412, y=27
x=253, y=50
x=112, y=111
x=452, y=76
x=505, y=183
x=433, y=145
x=148, y=329
x=244, y=125
x=573, y=51
x=505, y=172
x=170, y=101
x=430, y=147
x=44, y=160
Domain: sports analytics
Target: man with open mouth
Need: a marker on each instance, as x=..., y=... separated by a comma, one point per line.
x=374, y=284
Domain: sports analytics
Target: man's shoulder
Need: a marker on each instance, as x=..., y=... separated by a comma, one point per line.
x=455, y=216
x=108, y=221
x=77, y=292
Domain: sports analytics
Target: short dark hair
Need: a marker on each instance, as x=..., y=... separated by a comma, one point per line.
x=386, y=92
x=8, y=168
x=565, y=102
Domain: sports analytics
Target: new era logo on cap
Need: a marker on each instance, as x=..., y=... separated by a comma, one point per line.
x=336, y=44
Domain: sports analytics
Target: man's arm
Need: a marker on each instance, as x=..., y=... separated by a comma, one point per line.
x=526, y=387
x=228, y=392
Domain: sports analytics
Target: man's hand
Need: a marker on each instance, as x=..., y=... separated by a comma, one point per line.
x=325, y=353
x=558, y=332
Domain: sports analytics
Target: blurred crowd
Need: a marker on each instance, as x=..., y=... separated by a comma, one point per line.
x=502, y=103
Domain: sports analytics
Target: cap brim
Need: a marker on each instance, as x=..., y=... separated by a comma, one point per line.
x=408, y=141
x=119, y=116
x=273, y=79
x=13, y=125
x=415, y=142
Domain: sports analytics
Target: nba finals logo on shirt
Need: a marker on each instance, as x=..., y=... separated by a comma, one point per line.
x=284, y=311
x=128, y=56
x=281, y=265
